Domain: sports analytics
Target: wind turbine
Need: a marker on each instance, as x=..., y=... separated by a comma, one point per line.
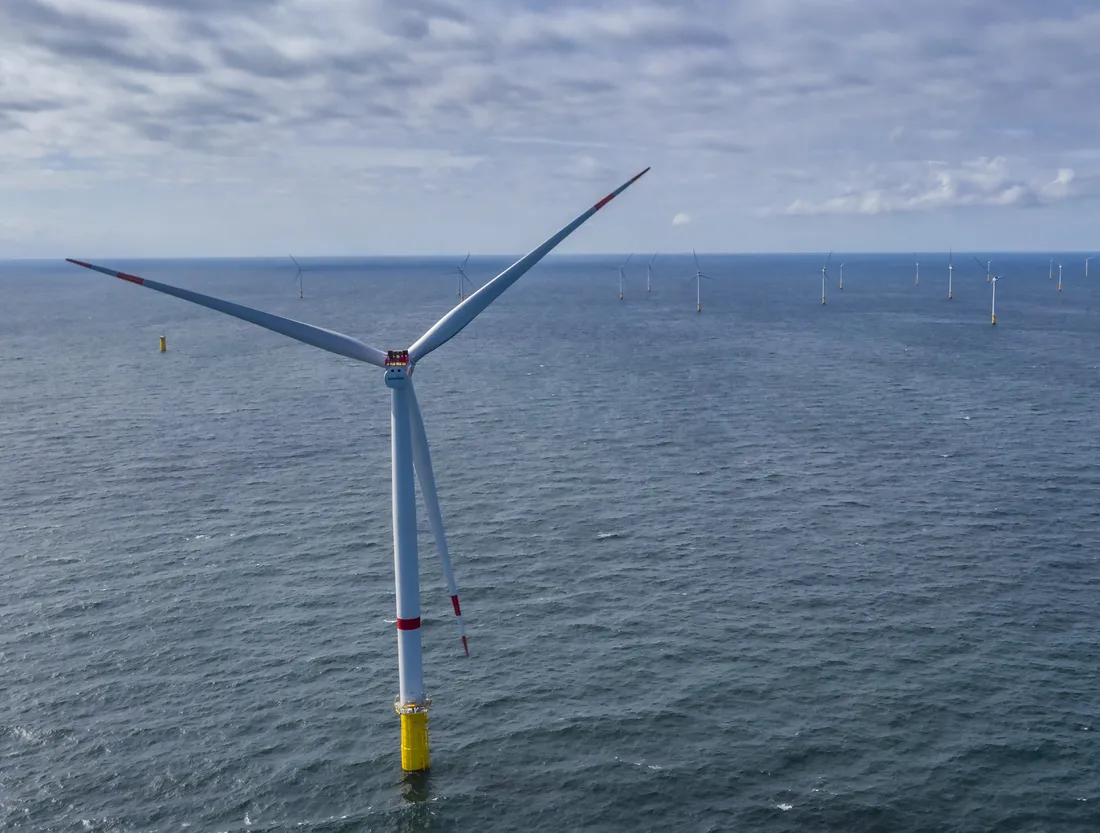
x=987, y=265
x=918, y=269
x=950, y=275
x=1050, y=274
x=298, y=278
x=840, y=285
x=1087, y=259
x=699, y=277
x=648, y=275
x=1059, y=277
x=463, y=279
x=993, y=305
x=621, y=268
x=409, y=455
x=824, y=275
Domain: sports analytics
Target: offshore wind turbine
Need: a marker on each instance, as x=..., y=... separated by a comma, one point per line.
x=950, y=274
x=987, y=266
x=621, y=268
x=1059, y=277
x=840, y=285
x=1050, y=273
x=648, y=274
x=918, y=269
x=1087, y=259
x=463, y=279
x=408, y=450
x=993, y=303
x=824, y=276
x=699, y=277
x=298, y=278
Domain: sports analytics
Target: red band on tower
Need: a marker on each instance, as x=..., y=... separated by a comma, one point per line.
x=408, y=624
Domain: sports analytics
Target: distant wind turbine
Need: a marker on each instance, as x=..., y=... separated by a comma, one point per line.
x=621, y=268
x=699, y=278
x=1050, y=273
x=298, y=278
x=1087, y=259
x=987, y=266
x=993, y=304
x=840, y=285
x=824, y=277
x=918, y=269
x=1059, y=277
x=648, y=274
x=950, y=275
x=463, y=278
x=409, y=455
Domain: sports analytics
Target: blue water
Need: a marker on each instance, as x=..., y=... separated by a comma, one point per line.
x=771, y=567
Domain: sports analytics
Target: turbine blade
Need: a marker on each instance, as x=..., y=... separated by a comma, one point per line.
x=467, y=260
x=653, y=258
x=827, y=259
x=422, y=463
x=307, y=333
x=695, y=257
x=296, y=263
x=456, y=320
x=627, y=260
x=980, y=263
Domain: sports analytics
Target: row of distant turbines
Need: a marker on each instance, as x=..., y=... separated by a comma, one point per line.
x=989, y=277
x=463, y=280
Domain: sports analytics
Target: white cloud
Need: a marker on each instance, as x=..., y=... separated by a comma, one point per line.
x=978, y=182
x=681, y=219
x=316, y=119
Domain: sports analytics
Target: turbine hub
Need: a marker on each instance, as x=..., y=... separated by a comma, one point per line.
x=397, y=368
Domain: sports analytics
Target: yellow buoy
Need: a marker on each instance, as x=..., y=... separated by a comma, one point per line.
x=163, y=344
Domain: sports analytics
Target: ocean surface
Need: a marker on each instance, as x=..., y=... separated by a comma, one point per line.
x=771, y=567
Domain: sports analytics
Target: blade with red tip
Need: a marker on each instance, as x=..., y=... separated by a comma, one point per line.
x=422, y=463
x=456, y=320
x=329, y=340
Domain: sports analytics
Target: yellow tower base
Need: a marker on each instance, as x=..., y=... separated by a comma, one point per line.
x=994, y=321
x=698, y=307
x=949, y=296
x=163, y=344
x=414, y=737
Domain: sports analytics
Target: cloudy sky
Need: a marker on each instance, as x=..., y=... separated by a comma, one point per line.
x=253, y=127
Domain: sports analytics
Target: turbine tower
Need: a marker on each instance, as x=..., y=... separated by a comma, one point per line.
x=298, y=278
x=1050, y=274
x=993, y=305
x=840, y=285
x=409, y=455
x=950, y=275
x=918, y=269
x=824, y=276
x=648, y=275
x=621, y=268
x=1059, y=277
x=1087, y=259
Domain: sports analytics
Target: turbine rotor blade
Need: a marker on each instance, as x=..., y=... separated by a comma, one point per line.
x=827, y=259
x=627, y=260
x=422, y=464
x=329, y=340
x=456, y=320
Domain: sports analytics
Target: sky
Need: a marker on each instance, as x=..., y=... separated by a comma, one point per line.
x=190, y=128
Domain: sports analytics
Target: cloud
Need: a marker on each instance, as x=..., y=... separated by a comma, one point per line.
x=403, y=112
x=681, y=219
x=979, y=182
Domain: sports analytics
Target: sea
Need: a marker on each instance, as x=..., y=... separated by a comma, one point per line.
x=771, y=566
